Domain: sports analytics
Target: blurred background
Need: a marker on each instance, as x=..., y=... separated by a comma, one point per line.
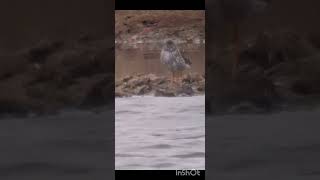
x=56, y=69
x=24, y=23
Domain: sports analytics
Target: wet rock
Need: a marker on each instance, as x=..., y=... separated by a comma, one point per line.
x=141, y=90
x=185, y=90
x=274, y=68
x=192, y=78
x=99, y=93
x=245, y=107
x=13, y=97
x=269, y=49
x=40, y=52
x=119, y=93
x=164, y=93
x=11, y=65
x=127, y=78
x=54, y=75
x=248, y=86
x=201, y=87
x=160, y=85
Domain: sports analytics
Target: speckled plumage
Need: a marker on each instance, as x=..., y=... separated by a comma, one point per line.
x=172, y=57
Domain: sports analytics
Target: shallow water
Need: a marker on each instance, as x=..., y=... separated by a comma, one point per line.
x=145, y=59
x=160, y=133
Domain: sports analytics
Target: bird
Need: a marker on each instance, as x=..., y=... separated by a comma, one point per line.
x=233, y=13
x=174, y=59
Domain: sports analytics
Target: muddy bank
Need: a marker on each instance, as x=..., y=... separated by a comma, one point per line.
x=53, y=75
x=276, y=70
x=134, y=27
x=190, y=84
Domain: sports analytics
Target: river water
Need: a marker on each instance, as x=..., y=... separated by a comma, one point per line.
x=160, y=133
x=66, y=146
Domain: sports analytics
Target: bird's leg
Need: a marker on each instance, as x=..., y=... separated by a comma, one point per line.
x=171, y=80
x=236, y=53
x=178, y=76
x=172, y=77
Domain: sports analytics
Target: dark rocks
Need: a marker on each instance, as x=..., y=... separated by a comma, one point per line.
x=150, y=84
x=141, y=90
x=40, y=52
x=164, y=93
x=274, y=69
x=11, y=64
x=55, y=75
x=99, y=94
x=186, y=90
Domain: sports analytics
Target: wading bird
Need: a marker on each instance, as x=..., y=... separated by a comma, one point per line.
x=174, y=59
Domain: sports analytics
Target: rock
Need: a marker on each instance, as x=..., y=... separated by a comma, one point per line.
x=142, y=90
x=119, y=93
x=245, y=107
x=127, y=78
x=268, y=49
x=191, y=78
x=185, y=90
x=306, y=79
x=164, y=93
x=201, y=87
x=159, y=85
x=11, y=65
x=14, y=98
x=250, y=87
x=55, y=75
x=40, y=52
x=99, y=93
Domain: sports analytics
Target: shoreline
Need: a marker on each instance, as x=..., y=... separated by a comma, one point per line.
x=149, y=84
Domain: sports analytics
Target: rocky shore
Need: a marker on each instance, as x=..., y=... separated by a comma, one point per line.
x=277, y=71
x=190, y=84
x=53, y=75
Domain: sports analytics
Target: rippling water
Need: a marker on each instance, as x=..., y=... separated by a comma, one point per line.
x=160, y=133
x=71, y=145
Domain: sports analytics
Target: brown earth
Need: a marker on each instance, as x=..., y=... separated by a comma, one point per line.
x=133, y=25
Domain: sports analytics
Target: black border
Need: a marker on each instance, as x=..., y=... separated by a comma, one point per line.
x=160, y=5
x=155, y=174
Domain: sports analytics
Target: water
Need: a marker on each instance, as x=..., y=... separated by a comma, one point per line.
x=282, y=145
x=160, y=133
x=145, y=59
x=71, y=145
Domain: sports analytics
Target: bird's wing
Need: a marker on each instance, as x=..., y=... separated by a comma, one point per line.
x=178, y=56
x=186, y=58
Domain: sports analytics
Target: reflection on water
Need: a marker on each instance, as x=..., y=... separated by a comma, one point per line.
x=145, y=59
